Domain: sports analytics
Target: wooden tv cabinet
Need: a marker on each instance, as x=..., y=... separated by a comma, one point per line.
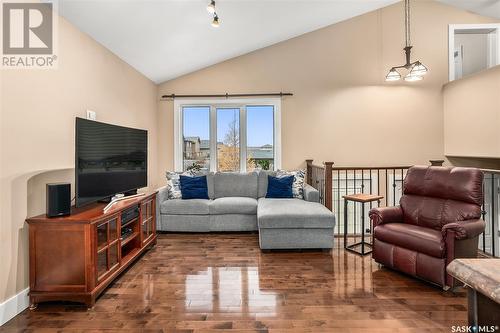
x=74, y=258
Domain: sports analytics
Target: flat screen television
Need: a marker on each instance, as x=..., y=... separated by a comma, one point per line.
x=110, y=159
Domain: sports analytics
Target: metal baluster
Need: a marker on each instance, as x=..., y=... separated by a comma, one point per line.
x=338, y=197
x=393, y=187
x=370, y=171
x=354, y=222
x=483, y=235
x=363, y=205
x=346, y=224
x=493, y=231
x=378, y=186
x=402, y=184
x=386, y=189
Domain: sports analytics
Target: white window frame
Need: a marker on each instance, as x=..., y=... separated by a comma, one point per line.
x=493, y=60
x=213, y=103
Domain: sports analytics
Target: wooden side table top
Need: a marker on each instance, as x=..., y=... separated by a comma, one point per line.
x=362, y=197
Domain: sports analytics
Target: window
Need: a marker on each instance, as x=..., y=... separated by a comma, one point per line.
x=228, y=139
x=227, y=135
x=196, y=140
x=260, y=133
x=473, y=48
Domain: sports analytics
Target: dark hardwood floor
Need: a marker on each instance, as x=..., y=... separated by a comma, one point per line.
x=222, y=282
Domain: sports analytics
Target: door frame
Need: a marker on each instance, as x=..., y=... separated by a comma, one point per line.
x=493, y=60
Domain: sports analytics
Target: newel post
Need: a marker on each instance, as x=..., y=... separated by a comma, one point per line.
x=328, y=185
x=309, y=164
x=436, y=162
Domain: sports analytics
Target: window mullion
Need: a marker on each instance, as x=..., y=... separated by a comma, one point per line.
x=243, y=139
x=213, y=138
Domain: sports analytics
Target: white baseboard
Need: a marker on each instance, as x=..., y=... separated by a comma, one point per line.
x=14, y=306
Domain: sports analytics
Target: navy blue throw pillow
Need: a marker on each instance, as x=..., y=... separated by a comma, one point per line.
x=194, y=187
x=279, y=187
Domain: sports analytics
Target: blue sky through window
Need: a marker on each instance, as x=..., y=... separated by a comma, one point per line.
x=197, y=122
x=260, y=124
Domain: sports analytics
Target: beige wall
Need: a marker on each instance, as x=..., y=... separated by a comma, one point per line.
x=342, y=109
x=472, y=115
x=37, y=132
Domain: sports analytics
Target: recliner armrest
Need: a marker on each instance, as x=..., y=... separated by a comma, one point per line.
x=465, y=229
x=381, y=215
x=310, y=193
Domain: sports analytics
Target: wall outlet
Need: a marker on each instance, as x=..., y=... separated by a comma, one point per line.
x=91, y=115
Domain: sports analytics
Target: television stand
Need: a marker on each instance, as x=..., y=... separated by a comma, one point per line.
x=74, y=258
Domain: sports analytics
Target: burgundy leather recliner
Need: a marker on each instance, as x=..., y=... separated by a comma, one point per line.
x=438, y=220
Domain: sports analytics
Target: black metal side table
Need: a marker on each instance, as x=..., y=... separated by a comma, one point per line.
x=361, y=198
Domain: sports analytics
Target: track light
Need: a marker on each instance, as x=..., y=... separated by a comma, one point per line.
x=211, y=7
x=215, y=21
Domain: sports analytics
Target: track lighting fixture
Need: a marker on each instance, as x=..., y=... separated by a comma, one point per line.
x=215, y=21
x=211, y=10
x=211, y=7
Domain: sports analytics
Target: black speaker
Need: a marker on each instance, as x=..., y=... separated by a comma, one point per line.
x=58, y=199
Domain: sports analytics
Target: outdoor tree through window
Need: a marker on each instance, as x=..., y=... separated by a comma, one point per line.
x=228, y=139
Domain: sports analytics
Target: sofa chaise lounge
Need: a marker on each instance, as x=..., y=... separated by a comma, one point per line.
x=237, y=202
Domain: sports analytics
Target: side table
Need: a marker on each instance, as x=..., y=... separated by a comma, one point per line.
x=361, y=198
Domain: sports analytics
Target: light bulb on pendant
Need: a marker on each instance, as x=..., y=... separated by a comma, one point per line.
x=418, y=69
x=393, y=75
x=413, y=77
x=211, y=7
x=215, y=22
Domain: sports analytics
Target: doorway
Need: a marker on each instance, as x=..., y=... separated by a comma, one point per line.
x=472, y=48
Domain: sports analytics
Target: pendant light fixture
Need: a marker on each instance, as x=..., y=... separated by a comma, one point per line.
x=414, y=70
x=211, y=10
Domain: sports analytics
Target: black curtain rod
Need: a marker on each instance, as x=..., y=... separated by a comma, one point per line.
x=226, y=95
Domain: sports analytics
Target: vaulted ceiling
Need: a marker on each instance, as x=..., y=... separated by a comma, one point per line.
x=164, y=39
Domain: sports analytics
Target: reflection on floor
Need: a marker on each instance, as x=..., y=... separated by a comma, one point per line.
x=222, y=282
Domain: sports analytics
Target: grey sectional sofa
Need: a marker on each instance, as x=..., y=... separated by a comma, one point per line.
x=237, y=203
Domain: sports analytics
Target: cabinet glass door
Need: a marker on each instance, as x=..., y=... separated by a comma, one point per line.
x=147, y=221
x=107, y=247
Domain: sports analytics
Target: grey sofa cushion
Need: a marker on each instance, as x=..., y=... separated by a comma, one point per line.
x=310, y=193
x=183, y=223
x=293, y=213
x=233, y=222
x=210, y=185
x=233, y=205
x=262, y=186
x=185, y=207
x=235, y=185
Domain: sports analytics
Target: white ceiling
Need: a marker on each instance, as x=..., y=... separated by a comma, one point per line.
x=489, y=8
x=164, y=39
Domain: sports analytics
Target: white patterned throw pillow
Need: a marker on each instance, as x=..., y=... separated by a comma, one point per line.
x=174, y=183
x=298, y=181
